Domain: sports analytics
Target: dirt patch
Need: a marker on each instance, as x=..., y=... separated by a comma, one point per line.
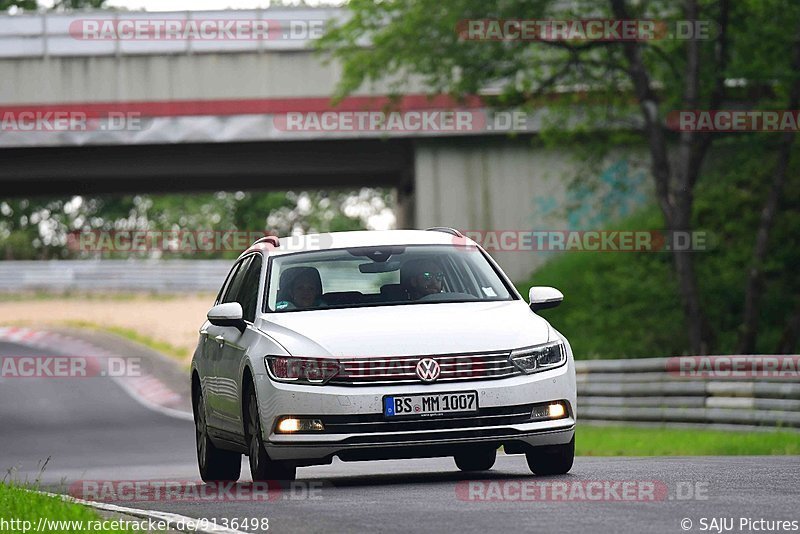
x=173, y=321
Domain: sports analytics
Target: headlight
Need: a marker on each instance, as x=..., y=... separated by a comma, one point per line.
x=539, y=358
x=315, y=371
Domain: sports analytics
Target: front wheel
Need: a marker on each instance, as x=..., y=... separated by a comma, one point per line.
x=214, y=464
x=262, y=468
x=476, y=459
x=552, y=459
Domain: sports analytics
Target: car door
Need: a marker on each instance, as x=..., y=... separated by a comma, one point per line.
x=229, y=365
x=217, y=387
x=210, y=350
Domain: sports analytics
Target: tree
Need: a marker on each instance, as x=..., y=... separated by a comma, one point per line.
x=419, y=38
x=58, y=5
x=63, y=5
x=754, y=288
x=29, y=5
x=39, y=228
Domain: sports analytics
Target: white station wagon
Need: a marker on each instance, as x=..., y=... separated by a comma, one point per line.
x=378, y=345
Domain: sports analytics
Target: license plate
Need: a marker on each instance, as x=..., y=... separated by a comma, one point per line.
x=430, y=405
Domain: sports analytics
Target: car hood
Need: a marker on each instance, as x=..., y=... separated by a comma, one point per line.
x=440, y=328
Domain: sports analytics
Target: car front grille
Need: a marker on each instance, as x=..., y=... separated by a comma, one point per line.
x=402, y=369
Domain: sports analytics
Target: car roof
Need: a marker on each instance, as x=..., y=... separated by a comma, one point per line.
x=361, y=238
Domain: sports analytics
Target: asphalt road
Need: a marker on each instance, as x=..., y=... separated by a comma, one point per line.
x=92, y=431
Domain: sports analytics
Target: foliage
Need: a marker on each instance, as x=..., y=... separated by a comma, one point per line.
x=579, y=87
x=403, y=43
x=58, y=5
x=78, y=4
x=39, y=228
x=616, y=304
x=29, y=5
x=625, y=304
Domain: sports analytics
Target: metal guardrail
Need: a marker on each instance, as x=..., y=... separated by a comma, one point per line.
x=158, y=276
x=645, y=391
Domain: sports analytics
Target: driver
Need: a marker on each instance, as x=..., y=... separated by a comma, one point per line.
x=423, y=277
x=303, y=289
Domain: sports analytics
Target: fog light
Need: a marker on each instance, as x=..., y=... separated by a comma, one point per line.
x=287, y=425
x=554, y=411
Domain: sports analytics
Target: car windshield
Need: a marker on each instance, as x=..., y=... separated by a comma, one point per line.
x=375, y=276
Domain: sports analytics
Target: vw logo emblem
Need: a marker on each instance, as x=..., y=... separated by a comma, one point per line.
x=428, y=369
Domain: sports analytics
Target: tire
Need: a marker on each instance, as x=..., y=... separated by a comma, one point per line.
x=214, y=464
x=552, y=459
x=477, y=459
x=262, y=468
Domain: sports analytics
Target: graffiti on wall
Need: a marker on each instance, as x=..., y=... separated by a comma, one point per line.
x=618, y=191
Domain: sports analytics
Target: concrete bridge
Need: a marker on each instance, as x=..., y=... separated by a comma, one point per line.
x=112, y=102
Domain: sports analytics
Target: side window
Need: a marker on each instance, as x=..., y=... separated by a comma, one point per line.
x=248, y=292
x=232, y=291
x=227, y=283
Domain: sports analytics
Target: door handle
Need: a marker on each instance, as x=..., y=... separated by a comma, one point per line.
x=220, y=340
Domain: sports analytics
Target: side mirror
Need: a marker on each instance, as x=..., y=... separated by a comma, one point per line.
x=228, y=314
x=543, y=297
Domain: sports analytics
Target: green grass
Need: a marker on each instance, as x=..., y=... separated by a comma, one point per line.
x=23, y=505
x=133, y=335
x=634, y=441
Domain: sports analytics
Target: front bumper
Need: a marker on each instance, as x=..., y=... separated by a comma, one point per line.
x=359, y=430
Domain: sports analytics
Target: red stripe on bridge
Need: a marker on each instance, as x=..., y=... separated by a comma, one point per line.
x=252, y=106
